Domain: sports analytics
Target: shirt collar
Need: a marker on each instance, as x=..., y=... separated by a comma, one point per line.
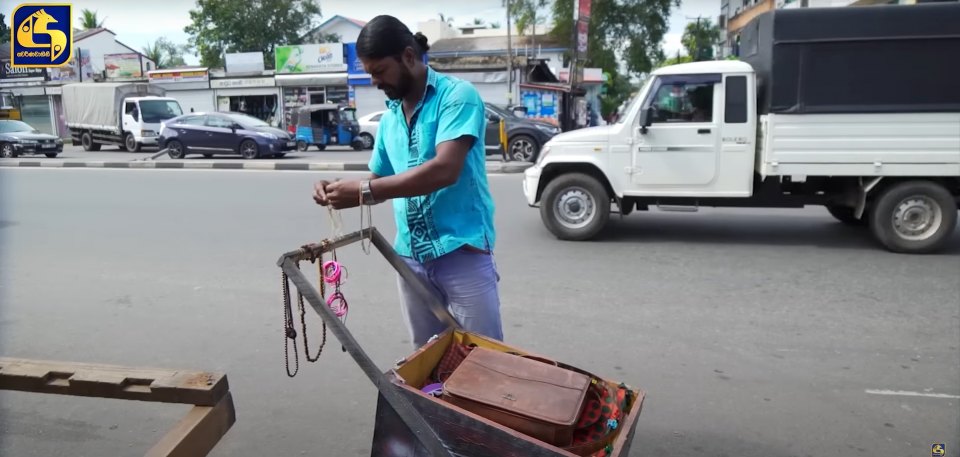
x=431, y=83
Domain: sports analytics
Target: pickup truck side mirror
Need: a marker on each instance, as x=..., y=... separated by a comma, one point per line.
x=646, y=118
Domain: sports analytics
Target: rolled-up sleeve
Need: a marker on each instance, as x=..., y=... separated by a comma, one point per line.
x=461, y=114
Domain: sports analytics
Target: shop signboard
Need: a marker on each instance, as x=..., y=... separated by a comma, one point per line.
x=541, y=105
x=241, y=82
x=120, y=66
x=10, y=73
x=177, y=76
x=244, y=63
x=310, y=58
x=78, y=69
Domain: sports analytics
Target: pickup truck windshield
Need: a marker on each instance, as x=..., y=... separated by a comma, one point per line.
x=637, y=98
x=154, y=111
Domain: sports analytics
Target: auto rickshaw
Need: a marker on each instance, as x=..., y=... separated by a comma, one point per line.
x=326, y=124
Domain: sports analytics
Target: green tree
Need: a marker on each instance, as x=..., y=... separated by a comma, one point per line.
x=525, y=13
x=619, y=30
x=700, y=38
x=165, y=53
x=89, y=20
x=219, y=26
x=4, y=29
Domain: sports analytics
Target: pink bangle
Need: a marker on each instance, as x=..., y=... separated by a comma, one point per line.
x=340, y=309
x=331, y=271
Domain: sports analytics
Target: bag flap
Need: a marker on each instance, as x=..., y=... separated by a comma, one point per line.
x=519, y=385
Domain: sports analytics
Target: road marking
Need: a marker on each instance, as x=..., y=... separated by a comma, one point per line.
x=191, y=164
x=906, y=393
x=326, y=166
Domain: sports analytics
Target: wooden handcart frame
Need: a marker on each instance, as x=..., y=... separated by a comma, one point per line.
x=195, y=435
x=400, y=406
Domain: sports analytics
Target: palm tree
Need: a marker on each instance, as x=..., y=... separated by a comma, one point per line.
x=89, y=20
x=154, y=52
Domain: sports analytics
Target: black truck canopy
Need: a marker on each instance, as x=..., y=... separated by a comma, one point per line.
x=862, y=59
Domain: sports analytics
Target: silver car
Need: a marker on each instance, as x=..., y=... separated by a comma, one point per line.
x=368, y=128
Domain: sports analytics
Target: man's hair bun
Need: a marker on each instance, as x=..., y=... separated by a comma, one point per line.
x=422, y=41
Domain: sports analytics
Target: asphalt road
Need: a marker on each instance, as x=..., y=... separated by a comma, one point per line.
x=754, y=333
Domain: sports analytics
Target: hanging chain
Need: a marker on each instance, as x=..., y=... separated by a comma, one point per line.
x=290, y=332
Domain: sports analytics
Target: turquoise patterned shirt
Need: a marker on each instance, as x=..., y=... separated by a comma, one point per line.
x=432, y=225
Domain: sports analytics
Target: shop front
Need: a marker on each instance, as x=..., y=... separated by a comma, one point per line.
x=27, y=87
x=255, y=96
x=310, y=74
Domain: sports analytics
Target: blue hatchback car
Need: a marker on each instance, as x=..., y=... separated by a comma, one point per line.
x=223, y=133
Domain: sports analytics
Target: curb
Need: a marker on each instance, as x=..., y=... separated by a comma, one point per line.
x=498, y=167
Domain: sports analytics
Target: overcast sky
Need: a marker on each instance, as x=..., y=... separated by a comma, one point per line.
x=137, y=24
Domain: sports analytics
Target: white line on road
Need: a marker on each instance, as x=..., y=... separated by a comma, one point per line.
x=905, y=393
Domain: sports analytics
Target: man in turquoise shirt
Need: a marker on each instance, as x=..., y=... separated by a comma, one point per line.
x=429, y=158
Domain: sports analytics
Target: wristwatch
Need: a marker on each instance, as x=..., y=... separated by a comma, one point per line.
x=366, y=196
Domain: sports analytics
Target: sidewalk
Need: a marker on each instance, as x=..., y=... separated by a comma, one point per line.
x=330, y=160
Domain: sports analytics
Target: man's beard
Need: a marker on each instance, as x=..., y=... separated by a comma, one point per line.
x=402, y=88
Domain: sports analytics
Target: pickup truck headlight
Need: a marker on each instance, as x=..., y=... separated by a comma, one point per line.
x=146, y=133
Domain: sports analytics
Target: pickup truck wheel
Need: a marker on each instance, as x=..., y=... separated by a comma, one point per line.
x=914, y=217
x=845, y=214
x=575, y=207
x=302, y=145
x=86, y=140
x=130, y=143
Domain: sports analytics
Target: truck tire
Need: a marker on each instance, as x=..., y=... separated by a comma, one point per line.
x=845, y=214
x=86, y=140
x=914, y=217
x=130, y=143
x=575, y=207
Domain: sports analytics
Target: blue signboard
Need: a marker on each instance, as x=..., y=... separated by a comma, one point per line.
x=355, y=72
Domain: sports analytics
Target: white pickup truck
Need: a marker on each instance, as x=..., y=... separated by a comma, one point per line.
x=860, y=114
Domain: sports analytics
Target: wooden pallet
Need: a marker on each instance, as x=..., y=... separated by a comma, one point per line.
x=195, y=434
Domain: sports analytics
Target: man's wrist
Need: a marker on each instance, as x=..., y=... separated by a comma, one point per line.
x=366, y=193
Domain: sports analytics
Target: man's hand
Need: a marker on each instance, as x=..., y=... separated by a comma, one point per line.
x=320, y=193
x=342, y=194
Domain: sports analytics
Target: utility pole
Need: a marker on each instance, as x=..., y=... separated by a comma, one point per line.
x=696, y=39
x=509, y=59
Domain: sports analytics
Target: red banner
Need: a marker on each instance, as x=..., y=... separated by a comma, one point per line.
x=583, y=28
x=583, y=9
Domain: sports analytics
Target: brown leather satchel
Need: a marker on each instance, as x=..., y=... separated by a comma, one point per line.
x=531, y=397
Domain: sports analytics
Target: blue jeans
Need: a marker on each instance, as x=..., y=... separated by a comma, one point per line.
x=466, y=281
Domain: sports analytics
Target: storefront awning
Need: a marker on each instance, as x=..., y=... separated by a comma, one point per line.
x=312, y=79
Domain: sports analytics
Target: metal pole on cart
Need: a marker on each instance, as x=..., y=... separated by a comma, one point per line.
x=413, y=419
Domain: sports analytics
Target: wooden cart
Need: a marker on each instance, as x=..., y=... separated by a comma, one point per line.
x=195, y=435
x=412, y=423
